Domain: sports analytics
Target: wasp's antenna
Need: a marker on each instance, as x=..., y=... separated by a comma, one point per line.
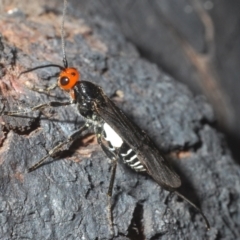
x=43, y=66
x=65, y=63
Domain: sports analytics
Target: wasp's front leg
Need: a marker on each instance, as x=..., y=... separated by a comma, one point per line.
x=40, y=89
x=38, y=107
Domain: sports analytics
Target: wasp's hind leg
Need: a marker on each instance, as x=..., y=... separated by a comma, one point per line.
x=113, y=157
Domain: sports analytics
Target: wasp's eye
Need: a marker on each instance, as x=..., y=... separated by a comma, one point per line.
x=64, y=81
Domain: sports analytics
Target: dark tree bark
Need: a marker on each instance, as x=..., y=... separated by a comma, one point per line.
x=66, y=197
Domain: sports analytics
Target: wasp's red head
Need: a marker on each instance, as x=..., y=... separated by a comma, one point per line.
x=68, y=78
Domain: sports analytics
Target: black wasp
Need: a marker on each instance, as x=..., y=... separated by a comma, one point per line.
x=123, y=140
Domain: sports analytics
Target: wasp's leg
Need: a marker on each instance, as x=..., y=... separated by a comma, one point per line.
x=109, y=193
x=38, y=107
x=40, y=89
x=76, y=135
x=113, y=157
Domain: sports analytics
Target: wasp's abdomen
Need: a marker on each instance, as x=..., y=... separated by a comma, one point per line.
x=130, y=158
x=121, y=148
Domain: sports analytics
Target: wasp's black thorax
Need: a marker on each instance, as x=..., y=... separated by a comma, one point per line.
x=87, y=95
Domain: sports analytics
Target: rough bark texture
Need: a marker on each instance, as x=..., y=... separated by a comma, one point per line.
x=66, y=199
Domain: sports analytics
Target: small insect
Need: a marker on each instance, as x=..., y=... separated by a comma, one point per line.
x=118, y=136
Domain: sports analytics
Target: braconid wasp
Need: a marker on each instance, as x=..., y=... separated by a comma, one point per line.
x=119, y=138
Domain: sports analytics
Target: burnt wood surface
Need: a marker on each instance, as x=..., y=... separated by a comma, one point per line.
x=66, y=197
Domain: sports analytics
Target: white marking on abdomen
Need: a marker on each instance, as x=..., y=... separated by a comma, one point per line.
x=112, y=136
x=131, y=159
x=125, y=154
x=139, y=167
x=135, y=164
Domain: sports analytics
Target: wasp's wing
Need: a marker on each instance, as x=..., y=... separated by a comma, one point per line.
x=157, y=167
